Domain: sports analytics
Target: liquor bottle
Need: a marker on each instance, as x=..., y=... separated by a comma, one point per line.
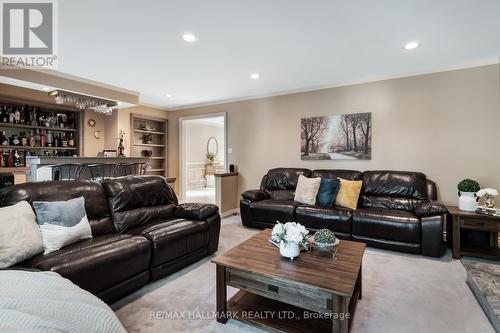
x=61, y=122
x=34, y=117
x=15, y=140
x=17, y=159
x=24, y=139
x=12, y=116
x=22, y=158
x=1, y=159
x=4, y=141
x=50, y=139
x=57, y=141
x=71, y=140
x=64, y=141
x=10, y=161
x=17, y=115
x=21, y=116
x=42, y=140
x=32, y=140
x=37, y=137
x=1, y=113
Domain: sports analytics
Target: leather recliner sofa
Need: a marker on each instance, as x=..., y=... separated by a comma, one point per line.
x=397, y=210
x=140, y=232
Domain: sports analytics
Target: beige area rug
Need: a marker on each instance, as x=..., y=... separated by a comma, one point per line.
x=401, y=293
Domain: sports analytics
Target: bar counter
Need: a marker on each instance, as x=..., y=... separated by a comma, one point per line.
x=35, y=164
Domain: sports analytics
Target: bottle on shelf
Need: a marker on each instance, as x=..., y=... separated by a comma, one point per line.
x=64, y=141
x=24, y=139
x=50, y=139
x=21, y=116
x=34, y=119
x=71, y=140
x=12, y=116
x=32, y=140
x=14, y=140
x=37, y=137
x=4, y=141
x=1, y=159
x=57, y=141
x=42, y=140
x=17, y=159
x=10, y=161
x=17, y=115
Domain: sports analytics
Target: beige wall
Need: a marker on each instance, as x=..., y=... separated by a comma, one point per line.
x=443, y=124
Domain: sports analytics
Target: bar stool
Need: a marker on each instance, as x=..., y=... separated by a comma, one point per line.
x=101, y=171
x=64, y=172
x=132, y=169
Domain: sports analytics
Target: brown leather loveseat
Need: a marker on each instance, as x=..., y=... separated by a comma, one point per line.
x=140, y=232
x=397, y=210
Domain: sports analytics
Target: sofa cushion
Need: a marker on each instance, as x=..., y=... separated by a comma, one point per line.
x=307, y=190
x=327, y=193
x=173, y=238
x=388, y=224
x=407, y=204
x=337, y=219
x=272, y=210
x=348, y=193
x=99, y=263
x=283, y=178
x=96, y=204
x=195, y=211
x=337, y=173
x=139, y=200
x=402, y=184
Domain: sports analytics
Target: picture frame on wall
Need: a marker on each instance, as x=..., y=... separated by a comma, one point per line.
x=337, y=137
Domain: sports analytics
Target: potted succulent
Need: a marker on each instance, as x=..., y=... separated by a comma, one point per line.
x=325, y=240
x=290, y=236
x=490, y=195
x=467, y=199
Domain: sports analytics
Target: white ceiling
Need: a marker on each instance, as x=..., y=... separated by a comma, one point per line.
x=293, y=44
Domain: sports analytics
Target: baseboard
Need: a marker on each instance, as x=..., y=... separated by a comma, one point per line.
x=235, y=211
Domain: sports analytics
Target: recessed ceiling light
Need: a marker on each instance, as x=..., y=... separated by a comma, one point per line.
x=46, y=88
x=412, y=45
x=254, y=76
x=119, y=103
x=189, y=37
x=168, y=96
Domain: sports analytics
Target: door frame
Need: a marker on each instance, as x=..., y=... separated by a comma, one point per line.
x=182, y=148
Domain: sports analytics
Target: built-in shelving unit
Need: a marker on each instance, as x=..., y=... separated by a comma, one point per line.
x=149, y=136
x=31, y=128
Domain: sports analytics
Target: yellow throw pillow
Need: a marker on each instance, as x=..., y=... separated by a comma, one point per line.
x=348, y=193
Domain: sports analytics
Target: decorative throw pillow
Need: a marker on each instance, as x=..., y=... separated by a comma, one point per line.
x=348, y=193
x=327, y=192
x=20, y=237
x=307, y=189
x=62, y=222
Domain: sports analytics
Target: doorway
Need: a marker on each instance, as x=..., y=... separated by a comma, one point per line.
x=203, y=154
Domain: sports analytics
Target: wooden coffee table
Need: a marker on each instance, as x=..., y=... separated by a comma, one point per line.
x=312, y=293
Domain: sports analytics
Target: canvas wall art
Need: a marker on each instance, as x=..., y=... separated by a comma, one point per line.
x=338, y=137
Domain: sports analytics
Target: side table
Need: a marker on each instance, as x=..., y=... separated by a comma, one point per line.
x=474, y=221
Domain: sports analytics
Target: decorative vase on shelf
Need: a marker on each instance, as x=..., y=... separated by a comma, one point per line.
x=289, y=250
x=467, y=201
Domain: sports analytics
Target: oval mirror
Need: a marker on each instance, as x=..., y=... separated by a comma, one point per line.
x=212, y=146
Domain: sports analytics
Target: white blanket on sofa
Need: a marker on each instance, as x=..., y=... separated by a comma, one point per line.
x=47, y=302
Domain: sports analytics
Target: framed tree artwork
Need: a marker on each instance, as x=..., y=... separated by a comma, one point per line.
x=338, y=137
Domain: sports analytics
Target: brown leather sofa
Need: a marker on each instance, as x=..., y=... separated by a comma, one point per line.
x=397, y=210
x=140, y=232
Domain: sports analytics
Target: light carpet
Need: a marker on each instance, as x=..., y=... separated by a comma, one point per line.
x=401, y=293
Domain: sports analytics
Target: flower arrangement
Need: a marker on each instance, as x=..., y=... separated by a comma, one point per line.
x=490, y=194
x=291, y=232
x=468, y=185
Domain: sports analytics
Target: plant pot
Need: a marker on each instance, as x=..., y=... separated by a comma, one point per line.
x=289, y=250
x=467, y=201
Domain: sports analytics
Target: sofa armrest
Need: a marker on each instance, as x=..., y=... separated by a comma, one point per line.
x=430, y=208
x=195, y=211
x=432, y=235
x=255, y=195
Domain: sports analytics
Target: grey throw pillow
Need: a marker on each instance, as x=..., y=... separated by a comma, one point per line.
x=62, y=222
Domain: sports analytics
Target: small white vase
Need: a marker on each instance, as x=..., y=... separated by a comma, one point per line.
x=467, y=201
x=289, y=250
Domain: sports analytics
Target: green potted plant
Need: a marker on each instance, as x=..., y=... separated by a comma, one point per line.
x=467, y=199
x=211, y=158
x=325, y=240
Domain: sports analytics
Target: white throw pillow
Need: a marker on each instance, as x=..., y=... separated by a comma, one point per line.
x=20, y=237
x=307, y=189
x=62, y=222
